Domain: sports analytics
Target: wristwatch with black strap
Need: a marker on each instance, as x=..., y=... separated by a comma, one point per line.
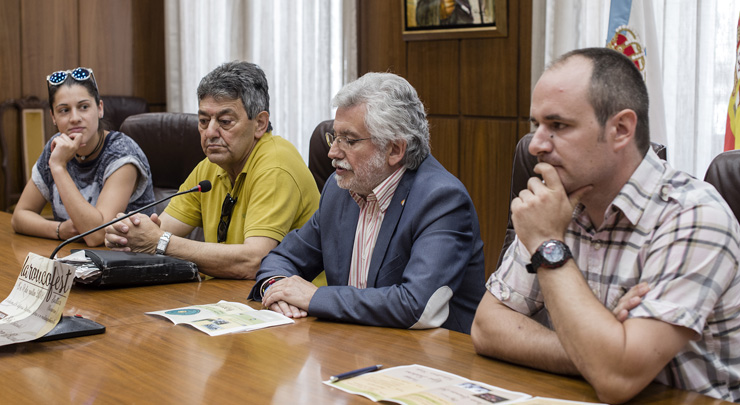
x=552, y=254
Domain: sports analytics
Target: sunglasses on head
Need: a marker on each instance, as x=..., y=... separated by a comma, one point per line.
x=80, y=74
x=223, y=224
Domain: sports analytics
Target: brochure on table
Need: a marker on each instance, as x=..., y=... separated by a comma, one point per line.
x=224, y=317
x=421, y=385
x=553, y=401
x=36, y=303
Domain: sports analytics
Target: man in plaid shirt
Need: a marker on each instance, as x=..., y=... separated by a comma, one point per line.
x=624, y=270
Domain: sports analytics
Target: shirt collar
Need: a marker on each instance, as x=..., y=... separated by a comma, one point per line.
x=383, y=192
x=634, y=196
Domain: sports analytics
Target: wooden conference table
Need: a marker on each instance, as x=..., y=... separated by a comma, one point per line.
x=146, y=359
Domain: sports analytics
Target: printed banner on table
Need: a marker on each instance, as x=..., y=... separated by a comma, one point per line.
x=36, y=303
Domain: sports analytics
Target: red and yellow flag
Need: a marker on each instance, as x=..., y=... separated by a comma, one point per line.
x=732, y=131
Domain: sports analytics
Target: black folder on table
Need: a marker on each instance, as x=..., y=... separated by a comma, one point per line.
x=127, y=269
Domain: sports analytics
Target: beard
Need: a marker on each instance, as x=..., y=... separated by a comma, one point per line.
x=362, y=179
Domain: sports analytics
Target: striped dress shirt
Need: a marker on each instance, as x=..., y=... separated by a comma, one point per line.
x=677, y=234
x=372, y=212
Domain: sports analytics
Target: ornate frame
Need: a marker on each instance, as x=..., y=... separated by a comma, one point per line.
x=411, y=32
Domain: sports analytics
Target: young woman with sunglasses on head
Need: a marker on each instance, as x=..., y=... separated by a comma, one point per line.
x=87, y=173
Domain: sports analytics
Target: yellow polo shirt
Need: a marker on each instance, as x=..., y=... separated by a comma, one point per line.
x=275, y=193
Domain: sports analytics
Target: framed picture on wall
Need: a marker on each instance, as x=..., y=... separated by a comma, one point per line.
x=450, y=19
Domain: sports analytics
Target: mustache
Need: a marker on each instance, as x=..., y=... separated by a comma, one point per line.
x=340, y=164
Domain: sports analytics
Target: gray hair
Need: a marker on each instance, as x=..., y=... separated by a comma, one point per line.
x=238, y=80
x=393, y=112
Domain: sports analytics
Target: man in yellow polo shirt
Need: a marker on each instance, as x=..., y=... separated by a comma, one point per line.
x=262, y=189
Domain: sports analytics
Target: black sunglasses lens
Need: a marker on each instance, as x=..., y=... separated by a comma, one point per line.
x=227, y=206
x=223, y=229
x=223, y=224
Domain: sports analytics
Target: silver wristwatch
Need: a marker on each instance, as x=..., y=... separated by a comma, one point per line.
x=164, y=240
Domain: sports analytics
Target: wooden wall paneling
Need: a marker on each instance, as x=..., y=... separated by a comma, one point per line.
x=523, y=128
x=434, y=72
x=486, y=159
x=10, y=82
x=381, y=45
x=106, y=44
x=149, y=53
x=525, y=56
x=49, y=42
x=12, y=172
x=10, y=48
x=445, y=142
x=489, y=72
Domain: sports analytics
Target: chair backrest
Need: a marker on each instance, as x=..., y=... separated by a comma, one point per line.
x=117, y=108
x=724, y=174
x=170, y=141
x=318, y=153
x=523, y=170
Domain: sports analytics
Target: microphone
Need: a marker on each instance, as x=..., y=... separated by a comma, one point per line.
x=203, y=187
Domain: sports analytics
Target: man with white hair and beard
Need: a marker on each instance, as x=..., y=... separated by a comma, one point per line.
x=396, y=233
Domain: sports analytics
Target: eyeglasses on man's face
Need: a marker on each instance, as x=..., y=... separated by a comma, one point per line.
x=342, y=141
x=223, y=224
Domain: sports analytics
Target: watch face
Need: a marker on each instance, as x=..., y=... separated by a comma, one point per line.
x=553, y=252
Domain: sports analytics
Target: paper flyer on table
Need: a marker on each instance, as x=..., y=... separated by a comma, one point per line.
x=36, y=303
x=417, y=385
x=224, y=317
x=553, y=401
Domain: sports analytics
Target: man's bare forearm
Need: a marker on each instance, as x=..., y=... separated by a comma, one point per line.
x=505, y=334
x=233, y=261
x=618, y=358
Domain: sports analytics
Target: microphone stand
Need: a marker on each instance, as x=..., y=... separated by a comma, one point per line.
x=75, y=326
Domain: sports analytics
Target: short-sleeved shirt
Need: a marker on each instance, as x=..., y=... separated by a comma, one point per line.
x=117, y=151
x=677, y=234
x=275, y=193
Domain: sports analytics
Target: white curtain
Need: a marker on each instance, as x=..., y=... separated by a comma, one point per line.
x=696, y=44
x=306, y=48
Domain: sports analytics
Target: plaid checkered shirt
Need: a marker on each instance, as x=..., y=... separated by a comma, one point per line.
x=677, y=234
